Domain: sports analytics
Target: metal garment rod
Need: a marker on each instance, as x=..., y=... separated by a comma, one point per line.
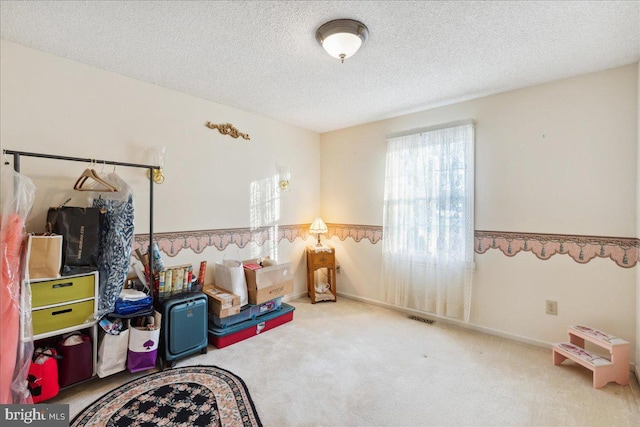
x=16, y=167
x=78, y=159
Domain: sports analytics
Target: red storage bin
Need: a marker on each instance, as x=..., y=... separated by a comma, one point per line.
x=77, y=359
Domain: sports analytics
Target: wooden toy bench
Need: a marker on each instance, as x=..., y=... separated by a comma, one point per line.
x=604, y=370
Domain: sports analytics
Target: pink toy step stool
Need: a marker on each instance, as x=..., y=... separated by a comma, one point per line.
x=604, y=370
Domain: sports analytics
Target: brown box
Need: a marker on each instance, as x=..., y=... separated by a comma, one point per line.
x=271, y=281
x=222, y=303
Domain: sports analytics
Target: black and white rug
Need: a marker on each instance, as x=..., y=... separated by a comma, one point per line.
x=186, y=396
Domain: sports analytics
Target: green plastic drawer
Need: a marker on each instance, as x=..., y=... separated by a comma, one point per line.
x=62, y=290
x=64, y=316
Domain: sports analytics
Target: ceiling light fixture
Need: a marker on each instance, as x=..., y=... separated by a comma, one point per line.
x=342, y=38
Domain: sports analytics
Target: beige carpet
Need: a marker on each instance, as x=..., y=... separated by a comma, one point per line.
x=353, y=364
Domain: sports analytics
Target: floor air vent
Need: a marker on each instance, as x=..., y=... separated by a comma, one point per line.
x=421, y=319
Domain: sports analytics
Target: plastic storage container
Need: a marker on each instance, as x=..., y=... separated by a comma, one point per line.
x=223, y=337
x=249, y=311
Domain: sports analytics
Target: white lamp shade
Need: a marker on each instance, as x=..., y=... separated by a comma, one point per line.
x=318, y=227
x=340, y=44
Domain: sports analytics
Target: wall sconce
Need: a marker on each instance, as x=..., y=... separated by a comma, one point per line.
x=284, y=177
x=155, y=156
x=318, y=227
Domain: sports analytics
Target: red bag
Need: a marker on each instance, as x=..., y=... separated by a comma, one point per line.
x=43, y=378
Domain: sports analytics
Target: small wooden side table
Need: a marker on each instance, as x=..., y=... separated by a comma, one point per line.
x=324, y=257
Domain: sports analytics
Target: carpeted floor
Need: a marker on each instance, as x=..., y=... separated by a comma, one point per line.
x=353, y=364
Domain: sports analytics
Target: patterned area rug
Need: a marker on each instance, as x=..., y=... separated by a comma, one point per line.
x=186, y=396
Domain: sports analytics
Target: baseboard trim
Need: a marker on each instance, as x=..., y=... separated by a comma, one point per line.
x=291, y=297
x=483, y=329
x=489, y=331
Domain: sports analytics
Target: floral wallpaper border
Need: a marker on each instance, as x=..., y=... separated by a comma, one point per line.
x=172, y=243
x=582, y=249
x=373, y=233
x=625, y=252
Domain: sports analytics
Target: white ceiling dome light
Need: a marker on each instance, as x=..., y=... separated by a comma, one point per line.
x=342, y=38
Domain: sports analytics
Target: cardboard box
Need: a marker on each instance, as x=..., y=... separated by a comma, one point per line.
x=222, y=303
x=272, y=281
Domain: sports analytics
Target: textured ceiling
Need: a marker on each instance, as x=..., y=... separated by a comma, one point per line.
x=262, y=56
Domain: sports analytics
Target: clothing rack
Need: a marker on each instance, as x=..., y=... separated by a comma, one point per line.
x=151, y=168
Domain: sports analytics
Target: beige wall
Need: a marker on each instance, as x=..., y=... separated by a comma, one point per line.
x=554, y=158
x=53, y=105
x=638, y=236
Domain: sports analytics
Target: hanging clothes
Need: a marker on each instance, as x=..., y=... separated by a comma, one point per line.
x=17, y=195
x=116, y=242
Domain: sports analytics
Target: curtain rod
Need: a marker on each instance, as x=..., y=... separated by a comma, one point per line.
x=431, y=128
x=80, y=159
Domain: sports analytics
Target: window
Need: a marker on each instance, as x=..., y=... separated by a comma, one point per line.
x=428, y=219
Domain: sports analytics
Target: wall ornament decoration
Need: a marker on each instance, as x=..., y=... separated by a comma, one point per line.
x=623, y=251
x=228, y=129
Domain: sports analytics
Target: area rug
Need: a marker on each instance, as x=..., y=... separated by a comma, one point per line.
x=185, y=396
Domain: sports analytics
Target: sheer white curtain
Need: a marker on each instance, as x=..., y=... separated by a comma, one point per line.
x=427, y=244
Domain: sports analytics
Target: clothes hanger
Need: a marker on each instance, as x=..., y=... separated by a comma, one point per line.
x=124, y=189
x=100, y=180
x=102, y=175
x=91, y=174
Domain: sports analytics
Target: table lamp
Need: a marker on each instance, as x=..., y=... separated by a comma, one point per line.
x=318, y=227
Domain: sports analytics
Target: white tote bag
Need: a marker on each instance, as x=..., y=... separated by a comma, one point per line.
x=143, y=345
x=229, y=275
x=112, y=353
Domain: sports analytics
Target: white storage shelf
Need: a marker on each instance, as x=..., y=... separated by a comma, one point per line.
x=58, y=295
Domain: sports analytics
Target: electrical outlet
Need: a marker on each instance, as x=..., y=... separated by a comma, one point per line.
x=338, y=269
x=552, y=307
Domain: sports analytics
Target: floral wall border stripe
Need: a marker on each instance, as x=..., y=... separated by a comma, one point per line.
x=173, y=242
x=625, y=252
x=373, y=233
x=582, y=249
